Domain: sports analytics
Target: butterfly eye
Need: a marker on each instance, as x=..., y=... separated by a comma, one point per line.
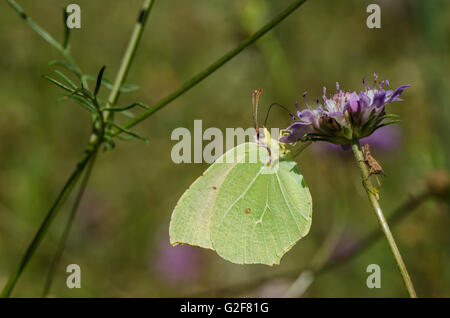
x=260, y=134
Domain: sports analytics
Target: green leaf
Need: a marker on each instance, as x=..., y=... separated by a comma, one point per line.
x=57, y=83
x=44, y=34
x=129, y=132
x=124, y=88
x=83, y=102
x=387, y=123
x=69, y=67
x=68, y=80
x=121, y=109
x=128, y=114
x=66, y=29
x=381, y=118
x=99, y=80
x=247, y=212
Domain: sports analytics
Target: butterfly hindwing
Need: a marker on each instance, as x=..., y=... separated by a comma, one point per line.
x=259, y=216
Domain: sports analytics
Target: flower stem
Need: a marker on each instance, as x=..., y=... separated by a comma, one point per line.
x=96, y=140
x=44, y=34
x=112, y=100
x=129, y=53
x=381, y=219
x=70, y=184
x=65, y=234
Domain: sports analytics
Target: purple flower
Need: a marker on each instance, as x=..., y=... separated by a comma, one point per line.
x=345, y=116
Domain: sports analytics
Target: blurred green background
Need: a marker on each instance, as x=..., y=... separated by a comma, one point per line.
x=120, y=236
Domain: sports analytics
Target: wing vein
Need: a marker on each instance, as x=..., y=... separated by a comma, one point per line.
x=242, y=194
x=288, y=205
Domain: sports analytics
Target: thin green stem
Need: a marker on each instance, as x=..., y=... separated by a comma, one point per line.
x=65, y=234
x=96, y=140
x=44, y=34
x=381, y=219
x=71, y=182
x=112, y=100
x=216, y=65
x=129, y=53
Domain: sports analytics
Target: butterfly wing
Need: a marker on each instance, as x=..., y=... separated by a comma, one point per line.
x=247, y=211
x=190, y=222
x=258, y=216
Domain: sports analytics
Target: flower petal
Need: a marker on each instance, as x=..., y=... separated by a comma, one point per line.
x=379, y=98
x=397, y=93
x=296, y=131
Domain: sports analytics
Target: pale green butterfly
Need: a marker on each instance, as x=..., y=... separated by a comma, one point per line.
x=250, y=206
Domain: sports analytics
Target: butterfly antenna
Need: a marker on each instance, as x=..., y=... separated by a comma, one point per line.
x=255, y=102
x=276, y=104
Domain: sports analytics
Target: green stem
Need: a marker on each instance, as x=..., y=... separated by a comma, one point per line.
x=65, y=234
x=112, y=100
x=216, y=65
x=71, y=182
x=129, y=53
x=381, y=219
x=44, y=34
x=96, y=140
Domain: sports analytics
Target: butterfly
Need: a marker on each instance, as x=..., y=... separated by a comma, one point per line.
x=250, y=206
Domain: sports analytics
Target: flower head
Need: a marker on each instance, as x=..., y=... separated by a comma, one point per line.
x=345, y=116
